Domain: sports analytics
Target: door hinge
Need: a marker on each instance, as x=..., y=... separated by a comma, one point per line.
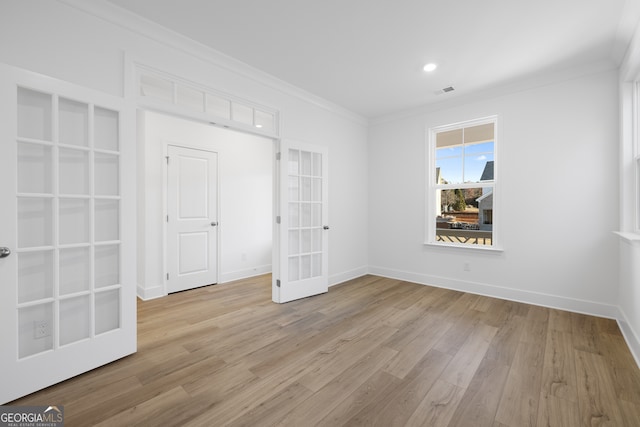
x=278, y=283
x=167, y=276
x=167, y=157
x=167, y=218
x=278, y=155
x=278, y=219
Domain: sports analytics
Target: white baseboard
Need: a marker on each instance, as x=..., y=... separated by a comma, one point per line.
x=244, y=274
x=336, y=279
x=154, y=292
x=631, y=337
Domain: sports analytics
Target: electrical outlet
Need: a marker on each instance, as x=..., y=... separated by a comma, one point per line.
x=467, y=266
x=41, y=329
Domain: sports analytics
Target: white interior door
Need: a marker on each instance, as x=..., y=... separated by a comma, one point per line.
x=192, y=220
x=302, y=235
x=67, y=225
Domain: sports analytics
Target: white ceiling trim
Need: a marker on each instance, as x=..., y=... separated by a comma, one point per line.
x=146, y=28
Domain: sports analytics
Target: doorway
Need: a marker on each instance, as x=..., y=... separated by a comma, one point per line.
x=245, y=198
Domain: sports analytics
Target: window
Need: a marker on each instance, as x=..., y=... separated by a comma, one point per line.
x=207, y=104
x=462, y=184
x=637, y=167
x=633, y=152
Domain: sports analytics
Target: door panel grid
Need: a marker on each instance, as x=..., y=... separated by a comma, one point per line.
x=305, y=215
x=68, y=210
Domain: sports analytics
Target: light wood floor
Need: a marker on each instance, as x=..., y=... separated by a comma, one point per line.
x=372, y=351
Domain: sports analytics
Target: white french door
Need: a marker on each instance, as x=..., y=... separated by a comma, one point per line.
x=192, y=224
x=302, y=235
x=67, y=225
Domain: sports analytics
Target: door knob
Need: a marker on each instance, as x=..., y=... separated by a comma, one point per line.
x=214, y=223
x=4, y=252
x=326, y=227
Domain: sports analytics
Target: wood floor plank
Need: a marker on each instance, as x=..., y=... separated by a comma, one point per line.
x=161, y=406
x=480, y=401
x=597, y=399
x=312, y=411
x=269, y=412
x=556, y=411
x=377, y=388
x=396, y=408
x=626, y=379
x=437, y=407
x=519, y=403
x=411, y=353
x=332, y=362
x=559, y=370
x=630, y=413
x=372, y=351
x=464, y=364
x=585, y=333
x=560, y=320
x=505, y=343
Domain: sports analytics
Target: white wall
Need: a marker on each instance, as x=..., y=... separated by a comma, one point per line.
x=558, y=181
x=245, y=184
x=91, y=48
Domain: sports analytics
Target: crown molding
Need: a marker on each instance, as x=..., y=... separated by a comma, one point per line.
x=136, y=24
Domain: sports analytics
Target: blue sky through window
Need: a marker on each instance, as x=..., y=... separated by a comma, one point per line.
x=463, y=163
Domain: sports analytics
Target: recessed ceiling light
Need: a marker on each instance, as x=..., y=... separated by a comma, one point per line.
x=430, y=67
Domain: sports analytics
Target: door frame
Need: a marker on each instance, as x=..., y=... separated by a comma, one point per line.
x=165, y=208
x=160, y=286
x=133, y=70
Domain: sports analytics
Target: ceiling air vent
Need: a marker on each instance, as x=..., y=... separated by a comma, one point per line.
x=444, y=90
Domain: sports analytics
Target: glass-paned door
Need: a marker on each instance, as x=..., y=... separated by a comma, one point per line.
x=304, y=226
x=65, y=304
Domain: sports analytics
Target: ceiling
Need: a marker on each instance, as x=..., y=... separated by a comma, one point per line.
x=367, y=55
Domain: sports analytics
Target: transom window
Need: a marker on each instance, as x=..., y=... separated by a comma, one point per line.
x=462, y=184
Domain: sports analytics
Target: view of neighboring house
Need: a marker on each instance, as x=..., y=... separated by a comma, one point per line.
x=485, y=202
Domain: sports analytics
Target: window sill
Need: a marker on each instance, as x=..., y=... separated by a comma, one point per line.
x=629, y=237
x=481, y=248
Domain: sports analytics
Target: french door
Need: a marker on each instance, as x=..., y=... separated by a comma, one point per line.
x=302, y=234
x=67, y=225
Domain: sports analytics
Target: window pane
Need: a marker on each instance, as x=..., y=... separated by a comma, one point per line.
x=465, y=216
x=34, y=114
x=448, y=168
x=106, y=129
x=638, y=192
x=264, y=120
x=155, y=87
x=218, y=106
x=73, y=123
x=241, y=113
x=478, y=162
x=190, y=98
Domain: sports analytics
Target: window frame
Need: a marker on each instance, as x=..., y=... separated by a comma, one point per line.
x=432, y=187
x=635, y=153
